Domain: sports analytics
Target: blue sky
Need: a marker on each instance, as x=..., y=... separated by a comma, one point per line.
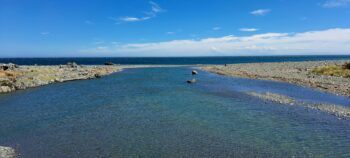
x=58, y=28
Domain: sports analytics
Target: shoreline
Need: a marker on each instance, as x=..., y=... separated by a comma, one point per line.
x=299, y=73
x=14, y=77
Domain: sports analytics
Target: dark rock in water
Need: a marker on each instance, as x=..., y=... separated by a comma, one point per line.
x=109, y=63
x=9, y=66
x=194, y=72
x=191, y=81
x=98, y=76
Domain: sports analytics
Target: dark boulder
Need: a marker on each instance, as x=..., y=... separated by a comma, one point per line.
x=98, y=76
x=109, y=63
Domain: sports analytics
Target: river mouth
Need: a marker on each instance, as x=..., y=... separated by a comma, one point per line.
x=153, y=112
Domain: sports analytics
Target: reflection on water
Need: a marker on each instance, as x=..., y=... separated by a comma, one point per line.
x=154, y=113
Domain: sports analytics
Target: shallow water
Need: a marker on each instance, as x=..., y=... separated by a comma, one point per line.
x=152, y=112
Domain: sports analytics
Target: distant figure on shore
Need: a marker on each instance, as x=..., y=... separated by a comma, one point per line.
x=194, y=72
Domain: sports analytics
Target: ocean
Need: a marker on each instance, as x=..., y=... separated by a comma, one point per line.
x=168, y=60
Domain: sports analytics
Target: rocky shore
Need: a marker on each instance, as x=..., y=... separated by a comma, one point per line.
x=13, y=77
x=300, y=73
x=7, y=152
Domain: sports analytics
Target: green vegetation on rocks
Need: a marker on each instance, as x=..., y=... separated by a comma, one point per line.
x=334, y=70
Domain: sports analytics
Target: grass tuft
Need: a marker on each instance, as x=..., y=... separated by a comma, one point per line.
x=333, y=70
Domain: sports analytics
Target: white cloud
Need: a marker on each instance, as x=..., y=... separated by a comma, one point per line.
x=216, y=28
x=248, y=29
x=260, y=12
x=331, y=41
x=155, y=9
x=170, y=33
x=133, y=19
x=336, y=3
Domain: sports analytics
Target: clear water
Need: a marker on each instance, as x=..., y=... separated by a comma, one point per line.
x=171, y=60
x=152, y=112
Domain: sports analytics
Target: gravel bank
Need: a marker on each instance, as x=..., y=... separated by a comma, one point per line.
x=292, y=72
x=336, y=110
x=13, y=77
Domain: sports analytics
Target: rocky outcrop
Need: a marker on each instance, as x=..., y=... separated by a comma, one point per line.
x=6, y=85
x=7, y=67
x=7, y=152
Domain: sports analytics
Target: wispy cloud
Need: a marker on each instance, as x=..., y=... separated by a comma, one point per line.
x=45, y=33
x=155, y=10
x=216, y=28
x=336, y=3
x=89, y=22
x=248, y=29
x=331, y=41
x=98, y=42
x=133, y=19
x=170, y=32
x=260, y=12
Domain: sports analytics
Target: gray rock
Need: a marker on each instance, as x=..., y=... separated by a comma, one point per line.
x=6, y=85
x=9, y=66
x=7, y=152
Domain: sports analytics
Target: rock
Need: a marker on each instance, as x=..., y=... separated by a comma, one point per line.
x=72, y=65
x=98, y=76
x=191, y=81
x=7, y=152
x=109, y=63
x=9, y=66
x=6, y=85
x=6, y=89
x=194, y=72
